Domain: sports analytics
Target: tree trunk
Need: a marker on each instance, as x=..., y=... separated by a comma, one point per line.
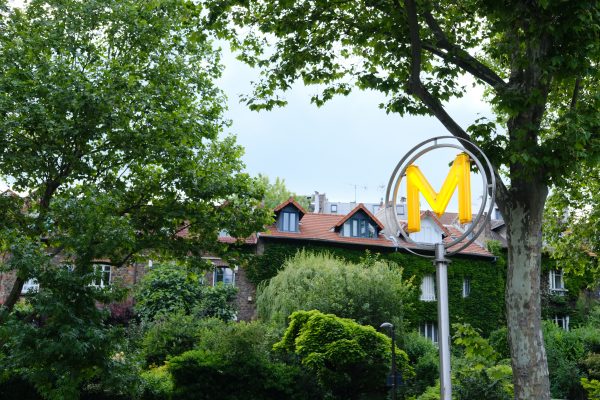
x=523, y=303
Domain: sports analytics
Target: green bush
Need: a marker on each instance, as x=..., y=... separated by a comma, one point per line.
x=423, y=356
x=234, y=361
x=170, y=335
x=350, y=360
x=564, y=351
x=172, y=289
x=498, y=339
x=370, y=294
x=157, y=384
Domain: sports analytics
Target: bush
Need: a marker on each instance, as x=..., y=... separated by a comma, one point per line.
x=171, y=289
x=423, y=356
x=370, y=294
x=240, y=353
x=564, y=351
x=157, y=384
x=170, y=335
x=349, y=360
x=499, y=341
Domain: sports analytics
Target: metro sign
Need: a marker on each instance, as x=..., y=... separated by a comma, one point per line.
x=459, y=176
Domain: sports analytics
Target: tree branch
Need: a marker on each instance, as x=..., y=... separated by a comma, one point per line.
x=459, y=56
x=416, y=87
x=575, y=93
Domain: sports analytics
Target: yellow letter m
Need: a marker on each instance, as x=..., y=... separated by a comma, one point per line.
x=459, y=175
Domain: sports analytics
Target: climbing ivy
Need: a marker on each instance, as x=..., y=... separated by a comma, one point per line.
x=483, y=308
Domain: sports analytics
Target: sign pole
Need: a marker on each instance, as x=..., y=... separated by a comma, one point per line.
x=441, y=264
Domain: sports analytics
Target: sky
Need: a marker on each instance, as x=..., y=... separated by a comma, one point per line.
x=346, y=148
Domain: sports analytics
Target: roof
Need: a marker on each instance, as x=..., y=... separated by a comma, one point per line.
x=436, y=220
x=319, y=227
x=288, y=202
x=359, y=207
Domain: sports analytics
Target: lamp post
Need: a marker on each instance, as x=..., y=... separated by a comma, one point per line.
x=388, y=325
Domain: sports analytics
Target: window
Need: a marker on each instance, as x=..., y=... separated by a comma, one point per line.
x=102, y=278
x=30, y=285
x=359, y=227
x=428, y=288
x=400, y=209
x=429, y=330
x=562, y=321
x=289, y=221
x=334, y=208
x=556, y=282
x=225, y=275
x=466, y=287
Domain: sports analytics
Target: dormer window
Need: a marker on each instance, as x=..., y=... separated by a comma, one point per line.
x=359, y=227
x=288, y=215
x=288, y=221
x=360, y=223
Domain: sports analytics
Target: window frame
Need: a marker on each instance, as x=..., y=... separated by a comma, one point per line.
x=287, y=219
x=31, y=285
x=556, y=276
x=429, y=330
x=562, y=321
x=216, y=275
x=106, y=270
x=359, y=227
x=466, y=289
x=430, y=288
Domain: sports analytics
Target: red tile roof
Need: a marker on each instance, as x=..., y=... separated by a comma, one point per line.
x=319, y=227
x=360, y=206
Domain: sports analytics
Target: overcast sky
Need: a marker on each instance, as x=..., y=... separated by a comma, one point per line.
x=346, y=143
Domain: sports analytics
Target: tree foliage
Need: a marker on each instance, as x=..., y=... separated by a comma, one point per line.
x=571, y=225
x=277, y=192
x=110, y=124
x=111, y=128
x=369, y=294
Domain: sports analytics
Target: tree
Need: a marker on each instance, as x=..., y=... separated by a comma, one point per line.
x=537, y=60
x=369, y=294
x=276, y=193
x=112, y=127
x=110, y=123
x=571, y=225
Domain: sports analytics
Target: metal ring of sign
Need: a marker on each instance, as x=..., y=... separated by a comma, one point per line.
x=390, y=210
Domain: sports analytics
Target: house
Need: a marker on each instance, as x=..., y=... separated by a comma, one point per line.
x=476, y=280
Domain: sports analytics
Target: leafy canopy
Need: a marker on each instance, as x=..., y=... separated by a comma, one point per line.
x=277, y=192
x=111, y=127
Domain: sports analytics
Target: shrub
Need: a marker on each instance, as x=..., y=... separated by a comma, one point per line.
x=157, y=384
x=370, y=294
x=349, y=360
x=170, y=288
x=236, y=352
x=170, y=335
x=423, y=356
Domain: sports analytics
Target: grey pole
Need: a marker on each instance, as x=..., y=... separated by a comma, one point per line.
x=441, y=264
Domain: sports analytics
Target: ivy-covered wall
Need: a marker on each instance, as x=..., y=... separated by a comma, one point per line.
x=484, y=308
x=573, y=303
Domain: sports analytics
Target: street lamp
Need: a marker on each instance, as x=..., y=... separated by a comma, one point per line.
x=387, y=325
